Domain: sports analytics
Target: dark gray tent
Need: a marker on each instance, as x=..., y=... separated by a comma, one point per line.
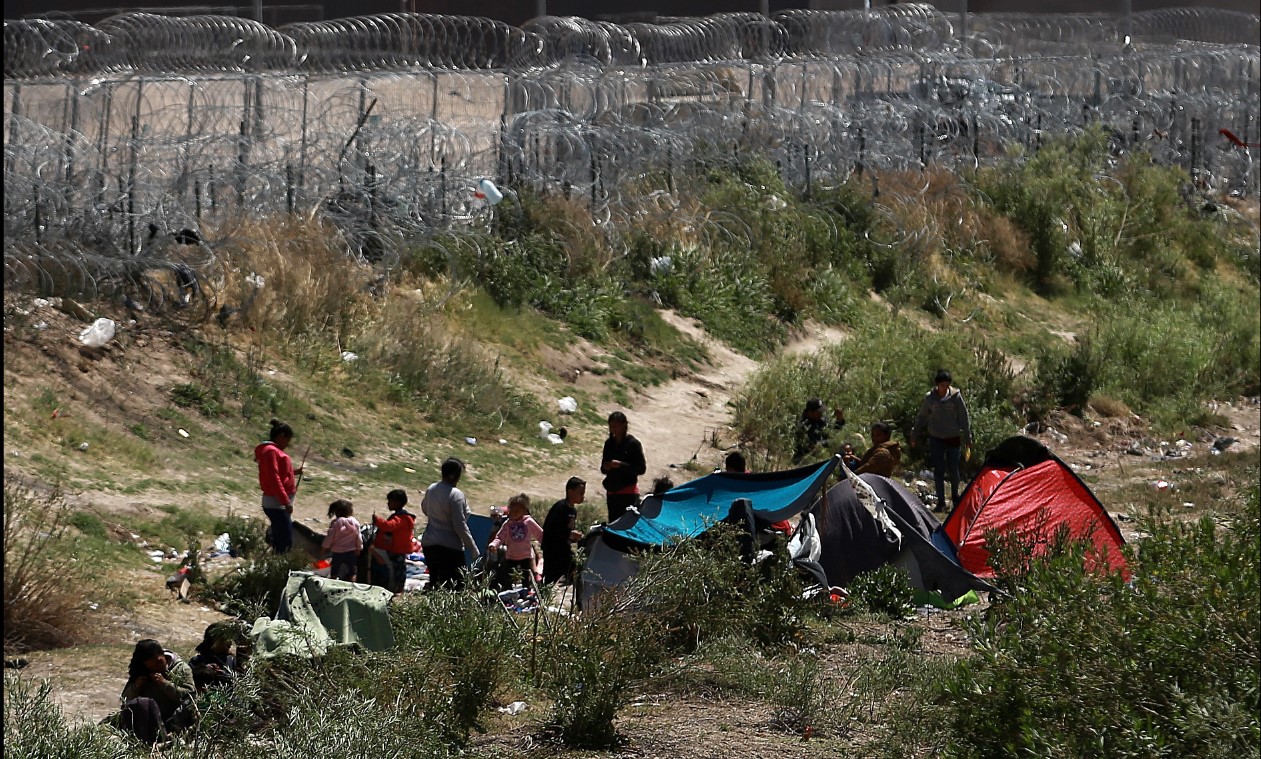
x=854, y=541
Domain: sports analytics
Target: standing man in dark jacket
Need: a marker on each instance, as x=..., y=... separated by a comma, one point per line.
x=944, y=416
x=622, y=464
x=560, y=531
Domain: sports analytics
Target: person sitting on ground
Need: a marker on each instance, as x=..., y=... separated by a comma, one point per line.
x=344, y=541
x=158, y=696
x=848, y=456
x=883, y=457
x=214, y=665
x=515, y=541
x=813, y=430
x=392, y=544
x=560, y=532
x=447, y=535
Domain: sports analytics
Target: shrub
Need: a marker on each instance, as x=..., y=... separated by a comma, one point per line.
x=1082, y=664
x=43, y=584
x=35, y=728
x=473, y=652
x=885, y=590
x=593, y=661
x=255, y=589
x=706, y=588
x=247, y=537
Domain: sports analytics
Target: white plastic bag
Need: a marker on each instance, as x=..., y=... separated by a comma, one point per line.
x=567, y=405
x=489, y=191
x=97, y=335
x=545, y=429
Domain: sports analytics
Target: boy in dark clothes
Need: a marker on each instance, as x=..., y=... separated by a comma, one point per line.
x=560, y=532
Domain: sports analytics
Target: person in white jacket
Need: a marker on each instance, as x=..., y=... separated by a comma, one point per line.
x=944, y=416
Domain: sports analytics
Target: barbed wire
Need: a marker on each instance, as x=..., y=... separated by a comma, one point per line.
x=119, y=137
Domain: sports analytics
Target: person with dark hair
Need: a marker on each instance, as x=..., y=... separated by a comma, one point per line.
x=813, y=430
x=560, y=532
x=884, y=455
x=447, y=535
x=158, y=696
x=344, y=541
x=944, y=416
x=392, y=543
x=735, y=463
x=277, y=478
x=661, y=485
x=214, y=665
x=622, y=464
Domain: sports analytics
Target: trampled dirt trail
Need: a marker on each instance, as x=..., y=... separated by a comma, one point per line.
x=678, y=421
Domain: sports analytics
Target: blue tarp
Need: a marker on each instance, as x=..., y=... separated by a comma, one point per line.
x=693, y=507
x=480, y=526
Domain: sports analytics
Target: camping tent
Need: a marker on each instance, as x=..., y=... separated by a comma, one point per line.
x=691, y=508
x=1024, y=488
x=855, y=540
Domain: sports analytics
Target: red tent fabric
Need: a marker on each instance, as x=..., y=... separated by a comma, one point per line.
x=1032, y=501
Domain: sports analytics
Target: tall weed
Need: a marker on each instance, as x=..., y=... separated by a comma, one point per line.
x=43, y=583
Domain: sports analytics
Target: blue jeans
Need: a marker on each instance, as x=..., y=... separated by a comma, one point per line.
x=945, y=460
x=281, y=529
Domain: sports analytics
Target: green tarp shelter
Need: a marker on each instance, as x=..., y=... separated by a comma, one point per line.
x=317, y=613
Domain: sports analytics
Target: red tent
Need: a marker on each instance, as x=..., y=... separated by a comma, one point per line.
x=1024, y=488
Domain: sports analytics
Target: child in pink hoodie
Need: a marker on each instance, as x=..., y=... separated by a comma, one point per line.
x=515, y=541
x=344, y=541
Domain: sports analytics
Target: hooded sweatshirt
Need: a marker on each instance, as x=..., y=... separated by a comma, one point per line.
x=275, y=472
x=945, y=418
x=882, y=459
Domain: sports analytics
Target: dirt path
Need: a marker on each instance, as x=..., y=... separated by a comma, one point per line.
x=678, y=422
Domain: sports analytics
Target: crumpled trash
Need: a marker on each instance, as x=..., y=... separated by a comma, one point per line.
x=255, y=280
x=98, y=334
x=776, y=203
x=83, y=446
x=516, y=707
x=349, y=356
x=1161, y=485
x=545, y=429
x=660, y=265
x=223, y=542
x=40, y=303
x=183, y=432
x=487, y=191
x=471, y=440
x=567, y=405
x=555, y=439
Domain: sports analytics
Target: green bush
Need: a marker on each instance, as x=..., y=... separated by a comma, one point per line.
x=593, y=662
x=705, y=588
x=473, y=651
x=35, y=728
x=248, y=537
x=1079, y=664
x=255, y=589
x=885, y=590
x=880, y=372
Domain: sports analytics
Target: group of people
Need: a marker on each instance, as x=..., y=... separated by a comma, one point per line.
x=447, y=541
x=942, y=418
x=160, y=695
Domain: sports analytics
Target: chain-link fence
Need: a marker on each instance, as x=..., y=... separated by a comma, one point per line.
x=117, y=135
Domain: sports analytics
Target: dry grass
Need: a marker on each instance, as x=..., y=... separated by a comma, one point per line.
x=43, y=592
x=1109, y=407
x=310, y=282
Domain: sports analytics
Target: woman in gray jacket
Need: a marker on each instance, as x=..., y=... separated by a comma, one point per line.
x=447, y=534
x=945, y=417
